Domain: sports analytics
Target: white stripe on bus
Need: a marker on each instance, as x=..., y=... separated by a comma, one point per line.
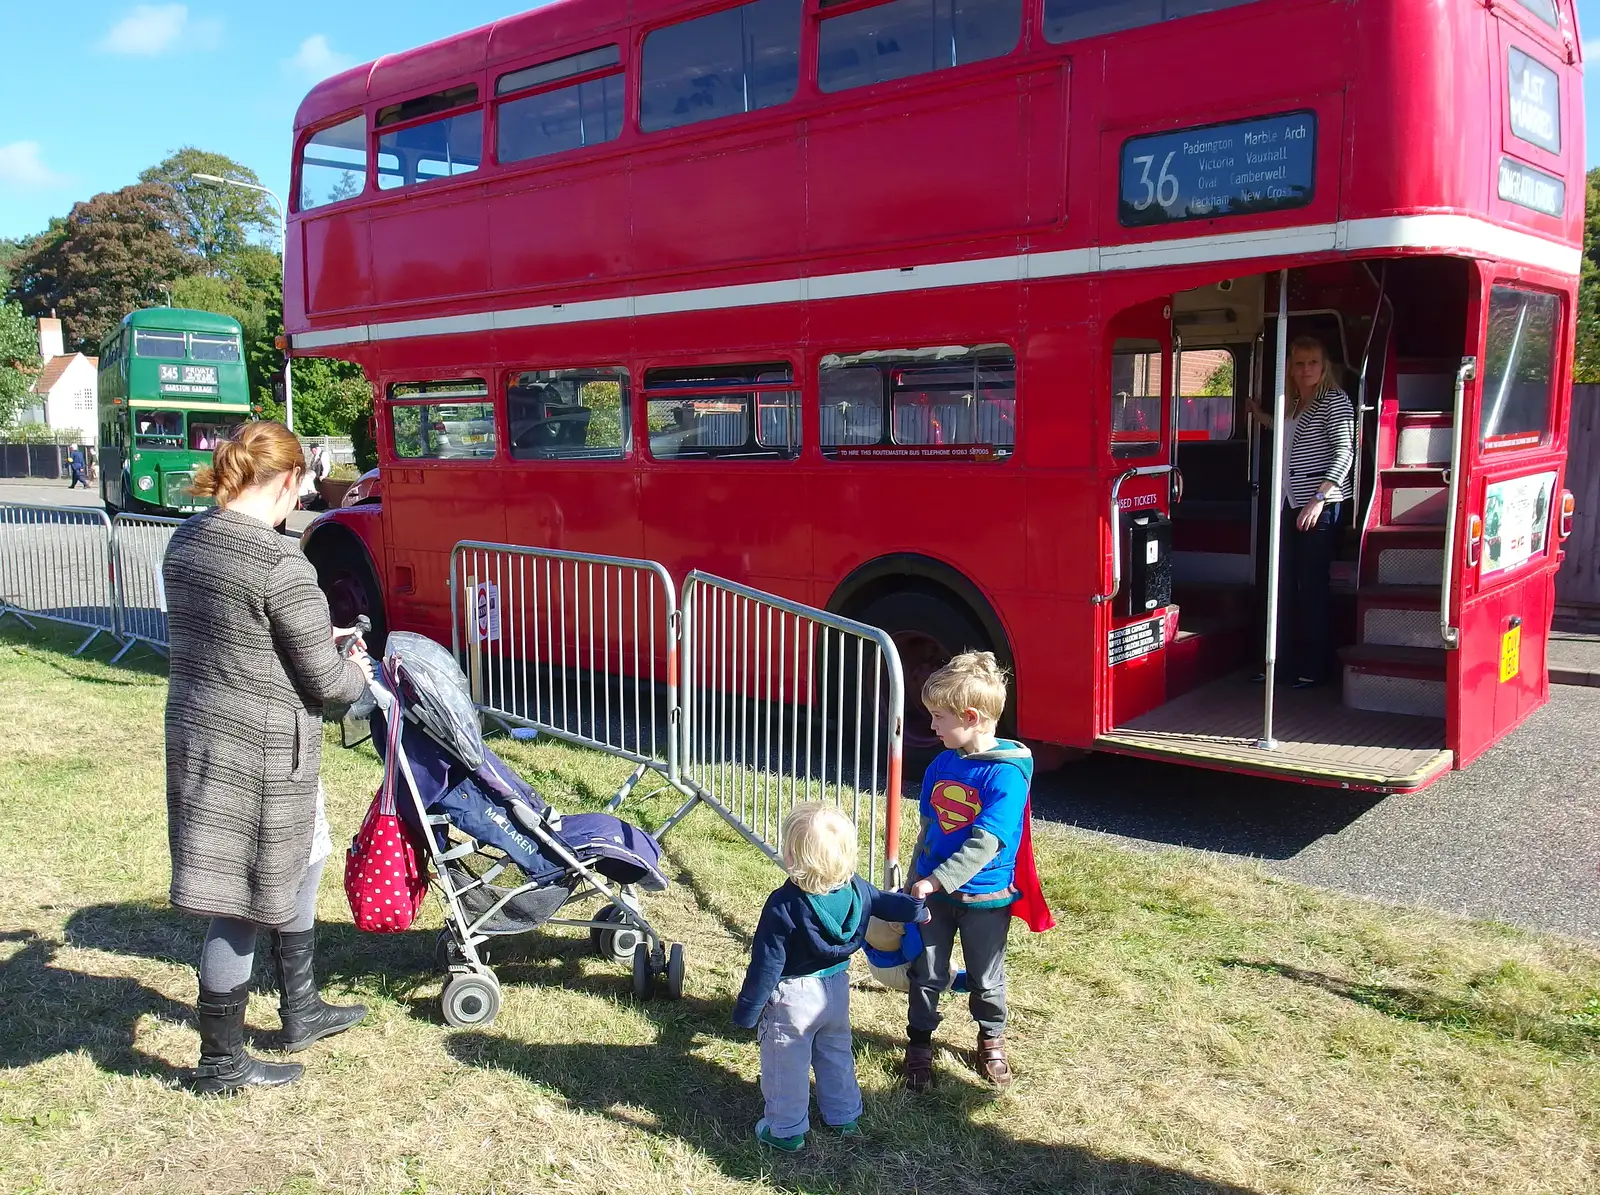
x=1449, y=233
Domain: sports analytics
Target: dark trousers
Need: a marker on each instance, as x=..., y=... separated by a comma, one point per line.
x=1304, y=643
x=983, y=946
x=77, y=479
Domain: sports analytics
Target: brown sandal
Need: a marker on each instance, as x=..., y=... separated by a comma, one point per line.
x=918, y=1068
x=992, y=1061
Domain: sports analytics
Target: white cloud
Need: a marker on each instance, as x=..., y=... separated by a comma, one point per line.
x=21, y=168
x=150, y=29
x=315, y=60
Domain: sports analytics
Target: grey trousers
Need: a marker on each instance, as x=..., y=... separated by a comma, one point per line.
x=983, y=945
x=228, y=955
x=804, y=1027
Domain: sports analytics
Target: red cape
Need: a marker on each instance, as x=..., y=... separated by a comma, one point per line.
x=1030, y=903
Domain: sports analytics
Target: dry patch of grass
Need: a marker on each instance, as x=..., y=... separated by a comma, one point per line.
x=1190, y=1027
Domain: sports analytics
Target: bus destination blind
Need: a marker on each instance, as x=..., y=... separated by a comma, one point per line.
x=1248, y=166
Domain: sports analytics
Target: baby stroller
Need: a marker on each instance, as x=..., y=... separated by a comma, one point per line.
x=483, y=824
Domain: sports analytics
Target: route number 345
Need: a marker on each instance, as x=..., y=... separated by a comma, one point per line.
x=1164, y=190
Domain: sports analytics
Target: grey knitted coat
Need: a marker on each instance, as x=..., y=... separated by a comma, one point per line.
x=252, y=667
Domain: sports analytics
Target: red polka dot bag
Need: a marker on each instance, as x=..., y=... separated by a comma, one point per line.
x=385, y=873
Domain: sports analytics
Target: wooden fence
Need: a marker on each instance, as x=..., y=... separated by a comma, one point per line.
x=1578, y=582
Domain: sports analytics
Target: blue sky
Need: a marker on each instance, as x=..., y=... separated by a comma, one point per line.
x=87, y=103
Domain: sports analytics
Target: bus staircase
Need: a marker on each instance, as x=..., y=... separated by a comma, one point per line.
x=1397, y=664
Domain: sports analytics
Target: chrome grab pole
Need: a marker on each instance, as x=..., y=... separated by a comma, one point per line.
x=1101, y=599
x=1253, y=435
x=1275, y=547
x=1451, y=635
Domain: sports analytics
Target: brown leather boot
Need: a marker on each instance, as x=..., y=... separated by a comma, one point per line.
x=918, y=1070
x=992, y=1060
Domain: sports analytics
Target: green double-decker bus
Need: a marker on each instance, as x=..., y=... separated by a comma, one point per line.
x=172, y=382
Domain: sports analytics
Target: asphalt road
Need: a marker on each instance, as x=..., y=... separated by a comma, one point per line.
x=1515, y=837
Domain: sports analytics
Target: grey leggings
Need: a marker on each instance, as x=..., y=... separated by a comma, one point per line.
x=229, y=954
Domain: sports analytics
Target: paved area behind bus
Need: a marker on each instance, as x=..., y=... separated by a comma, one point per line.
x=1515, y=837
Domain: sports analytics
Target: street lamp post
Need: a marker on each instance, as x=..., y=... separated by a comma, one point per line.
x=283, y=245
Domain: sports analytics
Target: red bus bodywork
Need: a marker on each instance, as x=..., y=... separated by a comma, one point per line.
x=978, y=204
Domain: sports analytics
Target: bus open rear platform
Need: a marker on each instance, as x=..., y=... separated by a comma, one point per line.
x=1320, y=741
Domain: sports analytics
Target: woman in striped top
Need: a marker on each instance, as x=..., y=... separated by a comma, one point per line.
x=1320, y=441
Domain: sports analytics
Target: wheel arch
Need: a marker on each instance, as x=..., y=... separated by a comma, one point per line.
x=910, y=570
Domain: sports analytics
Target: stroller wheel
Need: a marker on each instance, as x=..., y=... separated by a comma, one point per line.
x=615, y=944
x=641, y=970
x=470, y=1000
x=675, y=972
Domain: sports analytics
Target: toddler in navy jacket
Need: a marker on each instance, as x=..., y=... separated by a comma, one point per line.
x=796, y=992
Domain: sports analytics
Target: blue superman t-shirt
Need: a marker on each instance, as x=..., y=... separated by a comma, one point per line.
x=986, y=791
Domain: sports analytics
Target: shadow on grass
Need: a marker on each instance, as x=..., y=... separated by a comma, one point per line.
x=53, y=644
x=1430, y=1008
x=46, y=1010
x=674, y=1087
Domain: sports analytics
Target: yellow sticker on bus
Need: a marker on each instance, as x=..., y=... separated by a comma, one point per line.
x=1510, y=653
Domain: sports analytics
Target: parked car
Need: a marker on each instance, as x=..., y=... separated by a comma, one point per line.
x=365, y=489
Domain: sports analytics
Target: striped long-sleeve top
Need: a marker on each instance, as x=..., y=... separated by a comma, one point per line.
x=1322, y=450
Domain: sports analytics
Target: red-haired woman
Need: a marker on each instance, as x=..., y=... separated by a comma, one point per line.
x=253, y=667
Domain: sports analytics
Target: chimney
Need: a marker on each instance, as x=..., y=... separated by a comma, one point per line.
x=50, y=342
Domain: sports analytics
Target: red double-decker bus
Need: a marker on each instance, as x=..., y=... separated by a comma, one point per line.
x=948, y=317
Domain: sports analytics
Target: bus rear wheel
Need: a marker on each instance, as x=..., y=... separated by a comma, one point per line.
x=927, y=631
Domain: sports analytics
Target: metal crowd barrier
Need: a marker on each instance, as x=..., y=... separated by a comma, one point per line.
x=578, y=646
x=139, y=544
x=55, y=565
x=785, y=703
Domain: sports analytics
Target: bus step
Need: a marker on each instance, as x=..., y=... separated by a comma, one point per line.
x=1394, y=679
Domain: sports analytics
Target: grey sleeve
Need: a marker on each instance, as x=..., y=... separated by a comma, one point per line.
x=303, y=632
x=969, y=859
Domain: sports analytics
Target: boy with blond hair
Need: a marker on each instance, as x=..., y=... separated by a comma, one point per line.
x=973, y=863
x=796, y=992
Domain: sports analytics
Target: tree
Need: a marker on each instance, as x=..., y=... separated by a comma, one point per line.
x=114, y=254
x=1586, y=368
x=215, y=220
x=19, y=360
x=330, y=397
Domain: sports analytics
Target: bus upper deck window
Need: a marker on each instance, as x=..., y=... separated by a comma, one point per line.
x=420, y=153
x=158, y=344
x=910, y=37
x=547, y=116
x=207, y=347
x=1545, y=10
x=333, y=164
x=1519, y=362
x=1071, y=20
x=736, y=60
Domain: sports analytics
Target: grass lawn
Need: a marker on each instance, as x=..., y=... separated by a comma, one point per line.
x=1191, y=1026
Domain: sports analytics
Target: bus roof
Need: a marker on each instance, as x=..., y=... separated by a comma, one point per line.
x=553, y=25
x=179, y=319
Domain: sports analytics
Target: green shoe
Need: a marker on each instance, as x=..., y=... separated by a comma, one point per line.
x=850, y=1128
x=787, y=1144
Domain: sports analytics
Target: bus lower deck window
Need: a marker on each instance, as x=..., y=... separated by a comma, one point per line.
x=568, y=414
x=941, y=402
x=726, y=412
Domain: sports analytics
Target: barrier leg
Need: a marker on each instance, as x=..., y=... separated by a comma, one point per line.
x=4, y=610
x=84, y=646
x=628, y=786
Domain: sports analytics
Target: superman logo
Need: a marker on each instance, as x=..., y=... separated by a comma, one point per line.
x=955, y=805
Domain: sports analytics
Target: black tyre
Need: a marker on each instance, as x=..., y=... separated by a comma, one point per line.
x=675, y=972
x=347, y=579
x=927, y=631
x=641, y=970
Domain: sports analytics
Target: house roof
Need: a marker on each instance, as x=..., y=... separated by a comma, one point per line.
x=54, y=369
